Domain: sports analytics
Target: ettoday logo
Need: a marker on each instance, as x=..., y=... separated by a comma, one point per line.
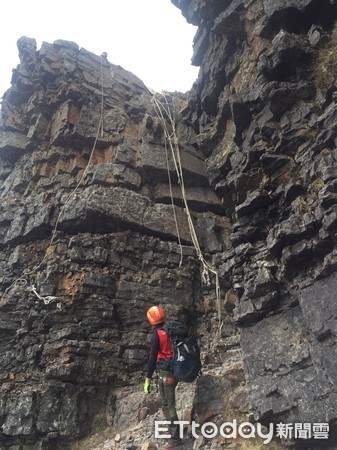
x=209, y=430
x=246, y=430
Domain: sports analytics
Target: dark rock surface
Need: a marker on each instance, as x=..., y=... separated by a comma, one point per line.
x=90, y=247
x=257, y=135
x=265, y=125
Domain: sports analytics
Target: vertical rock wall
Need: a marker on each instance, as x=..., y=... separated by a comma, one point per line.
x=264, y=110
x=88, y=240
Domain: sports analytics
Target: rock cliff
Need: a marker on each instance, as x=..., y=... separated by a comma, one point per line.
x=94, y=228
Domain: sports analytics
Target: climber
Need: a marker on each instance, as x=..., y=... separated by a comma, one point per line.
x=161, y=355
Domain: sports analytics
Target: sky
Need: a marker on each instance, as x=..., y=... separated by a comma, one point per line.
x=150, y=38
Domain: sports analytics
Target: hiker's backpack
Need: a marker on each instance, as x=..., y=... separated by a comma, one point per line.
x=186, y=365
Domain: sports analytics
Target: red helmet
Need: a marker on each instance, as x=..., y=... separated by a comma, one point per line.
x=155, y=315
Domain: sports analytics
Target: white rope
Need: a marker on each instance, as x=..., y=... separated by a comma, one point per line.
x=173, y=206
x=76, y=187
x=162, y=107
x=102, y=95
x=99, y=129
x=27, y=273
x=46, y=300
x=159, y=112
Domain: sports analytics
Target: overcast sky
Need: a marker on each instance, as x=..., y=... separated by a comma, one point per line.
x=147, y=37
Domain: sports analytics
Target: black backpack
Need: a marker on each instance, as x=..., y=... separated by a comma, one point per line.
x=186, y=365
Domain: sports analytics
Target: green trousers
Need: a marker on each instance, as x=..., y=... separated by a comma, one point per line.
x=168, y=404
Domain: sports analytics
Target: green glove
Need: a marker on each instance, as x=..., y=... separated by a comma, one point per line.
x=147, y=386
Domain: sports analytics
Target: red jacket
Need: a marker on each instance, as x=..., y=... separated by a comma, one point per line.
x=165, y=348
x=161, y=349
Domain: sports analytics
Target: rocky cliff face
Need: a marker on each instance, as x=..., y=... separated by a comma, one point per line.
x=89, y=240
x=264, y=109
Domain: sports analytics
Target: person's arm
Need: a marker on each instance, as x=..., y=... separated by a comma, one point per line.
x=151, y=365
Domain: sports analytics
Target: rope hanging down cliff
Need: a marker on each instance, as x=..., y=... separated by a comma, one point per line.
x=22, y=279
x=163, y=110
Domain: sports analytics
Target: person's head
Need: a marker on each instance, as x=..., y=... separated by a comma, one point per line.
x=155, y=315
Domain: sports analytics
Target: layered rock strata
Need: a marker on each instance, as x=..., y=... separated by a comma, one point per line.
x=264, y=110
x=93, y=231
x=257, y=137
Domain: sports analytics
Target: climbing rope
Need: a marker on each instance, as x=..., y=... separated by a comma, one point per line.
x=46, y=300
x=33, y=271
x=159, y=109
x=163, y=109
x=173, y=206
x=102, y=95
